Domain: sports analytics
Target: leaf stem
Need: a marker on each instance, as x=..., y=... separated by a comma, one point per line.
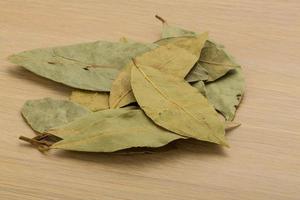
x=41, y=145
x=161, y=19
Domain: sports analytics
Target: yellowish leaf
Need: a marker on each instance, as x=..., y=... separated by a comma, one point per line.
x=175, y=105
x=92, y=100
x=175, y=58
x=112, y=130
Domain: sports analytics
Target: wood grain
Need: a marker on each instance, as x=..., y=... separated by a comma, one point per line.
x=264, y=159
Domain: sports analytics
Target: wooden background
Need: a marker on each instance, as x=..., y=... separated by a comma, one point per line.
x=264, y=159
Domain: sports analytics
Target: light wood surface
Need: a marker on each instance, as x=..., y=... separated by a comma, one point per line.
x=264, y=159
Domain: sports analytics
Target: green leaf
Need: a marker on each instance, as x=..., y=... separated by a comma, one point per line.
x=94, y=101
x=47, y=113
x=169, y=58
x=215, y=61
x=173, y=104
x=226, y=93
x=112, y=130
x=89, y=66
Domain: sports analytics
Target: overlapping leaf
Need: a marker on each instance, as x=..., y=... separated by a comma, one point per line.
x=173, y=104
x=178, y=83
x=90, y=66
x=171, y=58
x=226, y=93
x=47, y=113
x=112, y=130
x=213, y=57
x=200, y=86
x=197, y=73
x=94, y=101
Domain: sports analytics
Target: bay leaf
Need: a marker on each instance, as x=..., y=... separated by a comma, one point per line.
x=213, y=60
x=94, y=101
x=226, y=93
x=90, y=66
x=185, y=42
x=121, y=93
x=197, y=73
x=216, y=61
x=169, y=58
x=112, y=130
x=175, y=105
x=213, y=57
x=47, y=113
x=200, y=86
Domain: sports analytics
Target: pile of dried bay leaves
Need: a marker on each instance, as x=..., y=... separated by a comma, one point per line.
x=130, y=94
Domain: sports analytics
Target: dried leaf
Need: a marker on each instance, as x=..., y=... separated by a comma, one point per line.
x=226, y=93
x=94, y=101
x=168, y=58
x=197, y=73
x=186, y=42
x=47, y=113
x=121, y=94
x=173, y=104
x=112, y=130
x=216, y=61
x=200, y=86
x=89, y=66
x=213, y=57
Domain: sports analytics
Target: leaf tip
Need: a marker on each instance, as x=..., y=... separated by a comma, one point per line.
x=232, y=125
x=224, y=143
x=11, y=58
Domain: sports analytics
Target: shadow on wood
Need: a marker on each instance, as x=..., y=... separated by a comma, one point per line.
x=25, y=75
x=137, y=156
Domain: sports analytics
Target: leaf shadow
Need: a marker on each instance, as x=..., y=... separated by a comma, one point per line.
x=23, y=74
x=173, y=151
